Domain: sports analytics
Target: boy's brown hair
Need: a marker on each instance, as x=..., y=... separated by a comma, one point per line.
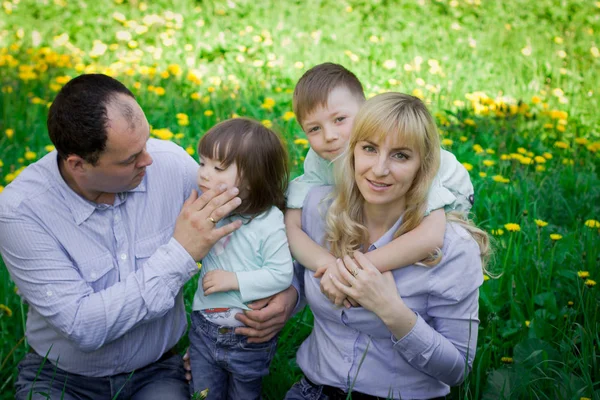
x=261, y=159
x=313, y=88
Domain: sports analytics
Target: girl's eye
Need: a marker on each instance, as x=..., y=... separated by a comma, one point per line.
x=200, y=163
x=220, y=169
x=340, y=119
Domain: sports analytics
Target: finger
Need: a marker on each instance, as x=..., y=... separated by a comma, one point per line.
x=260, y=304
x=353, y=302
x=191, y=198
x=186, y=356
x=351, y=265
x=201, y=202
x=211, y=290
x=227, y=229
x=345, y=274
x=221, y=205
x=348, y=291
x=363, y=261
x=257, y=335
x=347, y=303
x=320, y=271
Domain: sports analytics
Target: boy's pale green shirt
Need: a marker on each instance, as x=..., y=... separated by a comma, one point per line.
x=451, y=188
x=259, y=255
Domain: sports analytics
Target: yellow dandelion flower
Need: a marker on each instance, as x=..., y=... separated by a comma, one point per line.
x=477, y=148
x=555, y=236
x=526, y=160
x=489, y=163
x=540, y=223
x=469, y=122
x=582, y=141
x=9, y=133
x=548, y=126
x=561, y=145
x=507, y=360
x=498, y=232
x=463, y=138
x=49, y=148
x=468, y=167
x=482, y=174
x=267, y=123
x=178, y=136
x=536, y=99
x=1, y=164
x=159, y=91
x=540, y=159
x=5, y=310
x=195, y=96
x=30, y=155
x=583, y=274
x=302, y=142
x=1, y=188
x=288, y=115
x=568, y=161
x=486, y=277
x=590, y=283
x=209, y=113
x=500, y=179
x=190, y=150
x=570, y=303
x=592, y=223
x=447, y=142
x=512, y=227
x=527, y=323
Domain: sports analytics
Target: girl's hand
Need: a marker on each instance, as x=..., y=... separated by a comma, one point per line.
x=369, y=287
x=219, y=281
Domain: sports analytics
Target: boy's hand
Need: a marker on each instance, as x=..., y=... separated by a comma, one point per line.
x=219, y=281
x=329, y=289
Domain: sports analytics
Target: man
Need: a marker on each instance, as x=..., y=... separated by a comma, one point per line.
x=100, y=236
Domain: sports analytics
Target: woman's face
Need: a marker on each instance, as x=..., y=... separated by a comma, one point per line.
x=385, y=170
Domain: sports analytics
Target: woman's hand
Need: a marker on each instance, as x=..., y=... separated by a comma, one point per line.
x=370, y=288
x=330, y=291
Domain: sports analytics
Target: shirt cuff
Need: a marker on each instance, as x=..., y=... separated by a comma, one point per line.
x=299, y=303
x=416, y=342
x=174, y=264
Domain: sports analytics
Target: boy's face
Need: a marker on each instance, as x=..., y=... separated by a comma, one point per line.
x=328, y=128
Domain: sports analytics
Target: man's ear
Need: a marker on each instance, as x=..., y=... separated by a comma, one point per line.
x=75, y=164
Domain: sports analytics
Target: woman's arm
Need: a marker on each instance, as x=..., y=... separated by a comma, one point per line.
x=445, y=349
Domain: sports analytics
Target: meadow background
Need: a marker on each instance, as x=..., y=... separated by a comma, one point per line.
x=514, y=86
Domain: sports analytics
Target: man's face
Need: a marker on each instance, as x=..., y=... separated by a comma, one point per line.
x=122, y=165
x=328, y=128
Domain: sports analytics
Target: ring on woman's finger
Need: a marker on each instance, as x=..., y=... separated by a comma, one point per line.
x=354, y=273
x=211, y=219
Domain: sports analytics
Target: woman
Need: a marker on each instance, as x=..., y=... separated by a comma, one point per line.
x=415, y=333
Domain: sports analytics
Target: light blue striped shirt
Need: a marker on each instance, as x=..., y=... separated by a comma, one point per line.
x=432, y=357
x=258, y=253
x=103, y=282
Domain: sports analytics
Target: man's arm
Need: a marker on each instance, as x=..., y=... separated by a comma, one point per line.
x=49, y=281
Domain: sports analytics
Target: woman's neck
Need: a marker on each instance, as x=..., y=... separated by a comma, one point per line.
x=380, y=219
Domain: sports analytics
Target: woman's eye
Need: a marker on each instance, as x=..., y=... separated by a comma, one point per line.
x=369, y=149
x=399, y=156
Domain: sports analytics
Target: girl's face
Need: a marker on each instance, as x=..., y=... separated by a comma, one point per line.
x=384, y=171
x=212, y=173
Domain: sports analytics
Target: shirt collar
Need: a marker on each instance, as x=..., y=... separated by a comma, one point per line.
x=387, y=237
x=80, y=207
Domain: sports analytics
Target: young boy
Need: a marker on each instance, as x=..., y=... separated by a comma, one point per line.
x=326, y=100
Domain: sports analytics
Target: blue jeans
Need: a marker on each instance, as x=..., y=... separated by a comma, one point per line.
x=302, y=390
x=158, y=381
x=225, y=363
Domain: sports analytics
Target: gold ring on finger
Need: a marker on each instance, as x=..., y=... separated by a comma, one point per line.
x=354, y=273
x=211, y=219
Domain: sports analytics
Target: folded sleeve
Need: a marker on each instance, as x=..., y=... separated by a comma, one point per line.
x=317, y=172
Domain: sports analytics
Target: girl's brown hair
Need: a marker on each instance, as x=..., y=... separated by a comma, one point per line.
x=261, y=159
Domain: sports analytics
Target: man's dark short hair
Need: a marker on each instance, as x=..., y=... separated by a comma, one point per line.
x=78, y=116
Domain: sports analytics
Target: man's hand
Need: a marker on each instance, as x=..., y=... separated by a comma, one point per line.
x=195, y=226
x=219, y=281
x=268, y=316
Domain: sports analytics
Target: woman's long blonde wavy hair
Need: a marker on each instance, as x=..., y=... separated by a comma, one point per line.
x=408, y=118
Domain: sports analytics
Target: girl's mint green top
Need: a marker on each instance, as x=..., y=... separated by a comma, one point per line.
x=451, y=189
x=258, y=253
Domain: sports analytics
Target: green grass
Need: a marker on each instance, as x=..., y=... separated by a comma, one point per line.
x=539, y=332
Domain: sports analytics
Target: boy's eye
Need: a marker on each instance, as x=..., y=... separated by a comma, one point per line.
x=340, y=119
x=313, y=129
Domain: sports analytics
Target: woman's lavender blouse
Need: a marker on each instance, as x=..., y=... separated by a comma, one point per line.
x=436, y=354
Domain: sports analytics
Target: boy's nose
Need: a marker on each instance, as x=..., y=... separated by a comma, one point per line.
x=331, y=134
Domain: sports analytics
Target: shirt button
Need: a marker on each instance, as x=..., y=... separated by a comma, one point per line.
x=93, y=275
x=49, y=293
x=123, y=256
x=117, y=219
